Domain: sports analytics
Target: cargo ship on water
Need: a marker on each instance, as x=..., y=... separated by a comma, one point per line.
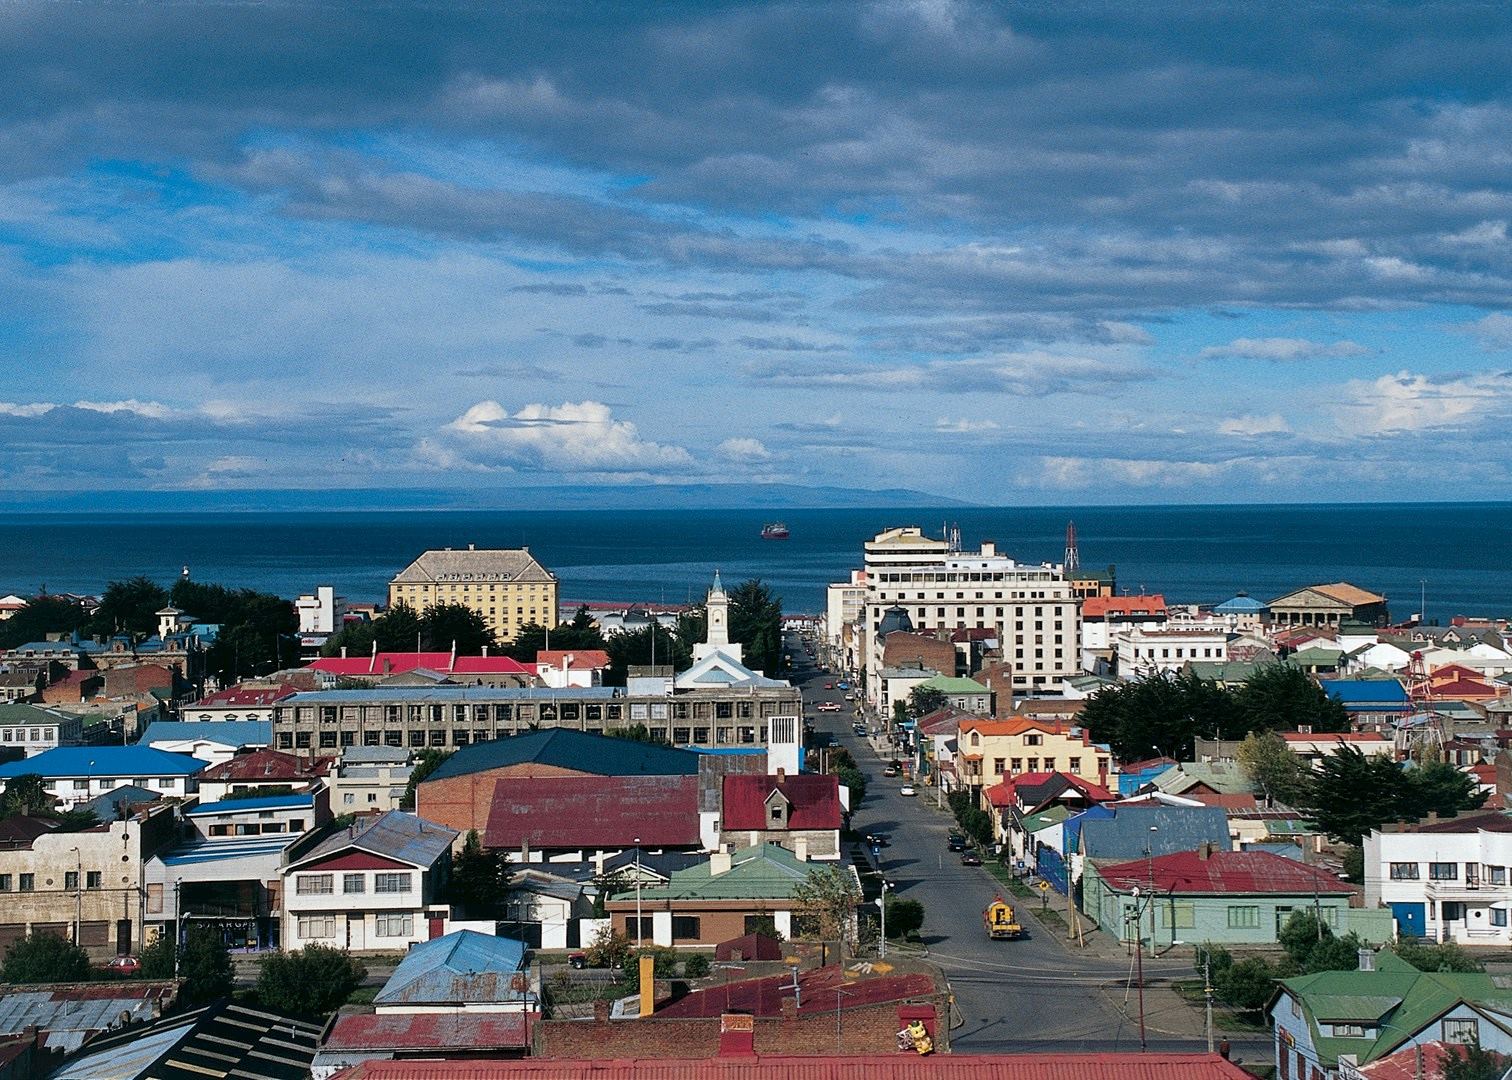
x=774, y=530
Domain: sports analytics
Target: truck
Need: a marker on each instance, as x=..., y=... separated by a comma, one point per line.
x=1001, y=922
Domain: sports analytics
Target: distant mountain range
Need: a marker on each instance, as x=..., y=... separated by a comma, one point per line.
x=560, y=497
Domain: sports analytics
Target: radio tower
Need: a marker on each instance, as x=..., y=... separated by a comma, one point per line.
x=1073, y=557
x=1425, y=728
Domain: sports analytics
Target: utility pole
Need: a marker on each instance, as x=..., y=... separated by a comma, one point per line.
x=882, y=903
x=1207, y=993
x=637, y=893
x=1138, y=921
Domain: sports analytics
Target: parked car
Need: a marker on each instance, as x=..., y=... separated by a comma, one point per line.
x=859, y=729
x=907, y=790
x=970, y=858
x=956, y=842
x=124, y=965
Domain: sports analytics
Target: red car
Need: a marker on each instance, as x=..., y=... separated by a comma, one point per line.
x=829, y=686
x=124, y=965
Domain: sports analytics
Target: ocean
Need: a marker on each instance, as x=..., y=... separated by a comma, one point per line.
x=1458, y=554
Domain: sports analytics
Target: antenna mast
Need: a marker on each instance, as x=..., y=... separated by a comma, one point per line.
x=1073, y=557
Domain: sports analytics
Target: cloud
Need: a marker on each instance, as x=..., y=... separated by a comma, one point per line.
x=1032, y=374
x=788, y=344
x=512, y=371
x=1251, y=426
x=1409, y=402
x=1493, y=331
x=743, y=450
x=573, y=437
x=964, y=426
x=1282, y=350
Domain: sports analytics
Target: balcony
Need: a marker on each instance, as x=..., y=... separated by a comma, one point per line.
x=1473, y=890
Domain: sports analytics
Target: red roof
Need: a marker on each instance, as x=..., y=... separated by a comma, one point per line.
x=1006, y=793
x=396, y=663
x=1223, y=872
x=1097, y=607
x=1154, y=1066
x=582, y=659
x=236, y=697
x=813, y=801
x=1487, y=821
x=1405, y=1064
x=268, y=766
x=429, y=1031
x=818, y=988
x=1464, y=688
x=1335, y=736
x=594, y=812
x=1227, y=802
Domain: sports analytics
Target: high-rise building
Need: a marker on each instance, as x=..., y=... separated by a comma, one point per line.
x=507, y=586
x=1032, y=608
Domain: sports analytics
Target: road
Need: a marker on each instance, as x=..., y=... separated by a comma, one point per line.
x=1035, y=993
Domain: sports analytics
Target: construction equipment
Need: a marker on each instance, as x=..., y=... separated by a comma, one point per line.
x=1001, y=922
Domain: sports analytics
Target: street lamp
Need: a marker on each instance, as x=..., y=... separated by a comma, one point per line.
x=882, y=903
x=637, y=893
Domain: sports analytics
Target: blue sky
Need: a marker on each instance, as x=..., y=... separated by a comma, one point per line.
x=1014, y=253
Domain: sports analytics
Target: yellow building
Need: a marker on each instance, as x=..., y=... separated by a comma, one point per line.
x=991, y=751
x=507, y=586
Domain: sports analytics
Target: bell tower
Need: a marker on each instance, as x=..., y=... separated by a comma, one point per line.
x=717, y=634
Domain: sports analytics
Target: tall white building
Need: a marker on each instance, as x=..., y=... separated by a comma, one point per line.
x=1031, y=608
x=843, y=604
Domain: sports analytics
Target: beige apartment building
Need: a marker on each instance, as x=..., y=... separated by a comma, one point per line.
x=992, y=751
x=507, y=586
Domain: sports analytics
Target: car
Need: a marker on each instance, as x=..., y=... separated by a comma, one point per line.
x=907, y=790
x=878, y=840
x=124, y=965
x=859, y=729
x=578, y=960
x=970, y=858
x=891, y=770
x=843, y=685
x=829, y=686
x=956, y=843
x=828, y=706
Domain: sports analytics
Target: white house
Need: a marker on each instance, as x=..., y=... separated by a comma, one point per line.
x=1445, y=880
x=213, y=742
x=1146, y=652
x=376, y=886
x=237, y=703
x=561, y=668
x=76, y=774
x=37, y=730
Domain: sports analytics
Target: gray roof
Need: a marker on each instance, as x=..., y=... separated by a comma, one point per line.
x=395, y=834
x=1127, y=833
x=462, y=967
x=375, y=755
x=487, y=564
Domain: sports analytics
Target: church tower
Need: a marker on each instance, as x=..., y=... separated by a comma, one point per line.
x=717, y=635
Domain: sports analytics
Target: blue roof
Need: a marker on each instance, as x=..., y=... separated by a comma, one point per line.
x=103, y=761
x=1384, y=691
x=291, y=801
x=233, y=733
x=461, y=966
x=1239, y=605
x=1126, y=834
x=241, y=847
x=580, y=751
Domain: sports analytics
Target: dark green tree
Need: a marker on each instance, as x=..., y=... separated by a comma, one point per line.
x=308, y=982
x=1313, y=946
x=1245, y=984
x=480, y=879
x=130, y=607
x=426, y=763
x=854, y=779
x=634, y=733
x=398, y=629
x=26, y=794
x=1432, y=956
x=446, y=625
x=1280, y=697
x=634, y=649
x=41, y=616
x=355, y=637
x=904, y=917
x=1475, y=1063
x=1440, y=788
x=692, y=626
x=205, y=967
x=756, y=623
x=44, y=958
x=577, y=634
x=923, y=700
x=1160, y=715
x=257, y=630
x=1353, y=794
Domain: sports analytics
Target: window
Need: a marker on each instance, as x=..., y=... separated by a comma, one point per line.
x=644, y=933
x=1443, y=871
x=315, y=884
x=686, y=928
x=1348, y=1031
x=316, y=926
x=1049, y=764
x=1463, y=1032
x=71, y=880
x=1404, y=871
x=5, y=883
x=347, y=799
x=1244, y=917
x=1017, y=764
x=394, y=925
x=353, y=883
x=1033, y=740
x=997, y=764
x=391, y=883
x=92, y=879
x=1074, y=764
x=1184, y=915
x=1497, y=875
x=1498, y=916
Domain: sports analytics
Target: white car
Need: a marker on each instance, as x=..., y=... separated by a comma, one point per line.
x=906, y=790
x=828, y=706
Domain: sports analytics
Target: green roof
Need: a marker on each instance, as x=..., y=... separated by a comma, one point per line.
x=21, y=713
x=951, y=685
x=1316, y=655
x=1222, y=776
x=1396, y=993
x=760, y=872
x=1052, y=815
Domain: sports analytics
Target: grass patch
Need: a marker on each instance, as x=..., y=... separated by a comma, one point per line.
x=363, y=995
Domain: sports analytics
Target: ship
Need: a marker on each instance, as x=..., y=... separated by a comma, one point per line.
x=774, y=530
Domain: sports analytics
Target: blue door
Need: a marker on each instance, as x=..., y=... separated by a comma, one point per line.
x=1409, y=919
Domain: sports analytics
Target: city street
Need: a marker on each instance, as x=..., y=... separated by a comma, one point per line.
x=1037, y=992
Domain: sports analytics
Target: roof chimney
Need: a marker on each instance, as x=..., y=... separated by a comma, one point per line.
x=472, y=547
x=1367, y=960
x=1205, y=850
x=343, y=652
x=781, y=775
x=719, y=863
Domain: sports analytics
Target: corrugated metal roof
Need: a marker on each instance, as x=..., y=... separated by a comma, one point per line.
x=813, y=798
x=567, y=749
x=292, y=801
x=452, y=1032
x=594, y=812
x=70, y=761
x=761, y=872
x=820, y=989
x=394, y=834
x=241, y=847
x=1224, y=872
x=232, y=733
x=1154, y=1066
x=461, y=966
x=1126, y=834
x=457, y=695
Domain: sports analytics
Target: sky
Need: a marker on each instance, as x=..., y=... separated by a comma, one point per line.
x=1010, y=253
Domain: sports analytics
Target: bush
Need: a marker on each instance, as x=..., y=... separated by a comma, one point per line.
x=1429, y=957
x=664, y=967
x=308, y=982
x=44, y=958
x=696, y=966
x=609, y=949
x=1246, y=985
x=904, y=917
x=205, y=968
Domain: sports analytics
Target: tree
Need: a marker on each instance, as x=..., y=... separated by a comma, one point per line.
x=923, y=700
x=577, y=634
x=41, y=616
x=1280, y=774
x=1440, y=788
x=1433, y=957
x=1280, y=697
x=257, y=629
x=1353, y=794
x=480, y=878
x=355, y=637
x=696, y=966
x=1245, y=984
x=1312, y=946
x=398, y=629
x=446, y=625
x=1160, y=715
x=131, y=607
x=634, y=649
x=44, y=958
x=428, y=762
x=904, y=917
x=854, y=779
x=25, y=794
x=634, y=733
x=1476, y=1063
x=609, y=949
x=828, y=899
x=308, y=982
x=205, y=967
x=756, y=623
